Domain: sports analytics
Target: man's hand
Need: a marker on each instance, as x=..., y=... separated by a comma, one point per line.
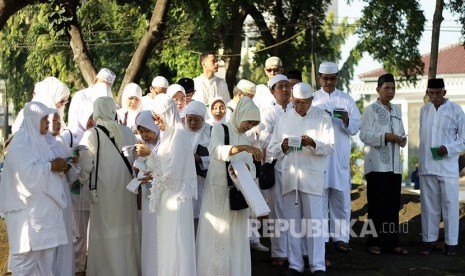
x=442, y=150
x=285, y=145
x=307, y=141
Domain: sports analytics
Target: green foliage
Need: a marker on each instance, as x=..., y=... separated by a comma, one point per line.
x=389, y=31
x=458, y=7
x=356, y=171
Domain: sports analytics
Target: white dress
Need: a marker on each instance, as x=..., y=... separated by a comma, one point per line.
x=114, y=238
x=222, y=237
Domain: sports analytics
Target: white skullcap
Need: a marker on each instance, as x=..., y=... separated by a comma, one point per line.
x=247, y=87
x=173, y=89
x=106, y=75
x=160, y=81
x=275, y=79
x=302, y=90
x=328, y=68
x=273, y=61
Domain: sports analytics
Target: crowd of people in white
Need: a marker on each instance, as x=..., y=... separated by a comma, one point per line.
x=146, y=188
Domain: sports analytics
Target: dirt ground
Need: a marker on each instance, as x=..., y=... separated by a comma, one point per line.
x=359, y=261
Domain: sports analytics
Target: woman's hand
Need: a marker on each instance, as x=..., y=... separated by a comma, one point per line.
x=142, y=150
x=256, y=152
x=59, y=165
x=146, y=179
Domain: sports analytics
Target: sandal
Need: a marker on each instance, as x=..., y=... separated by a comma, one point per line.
x=451, y=250
x=342, y=247
x=375, y=250
x=278, y=262
x=399, y=251
x=428, y=247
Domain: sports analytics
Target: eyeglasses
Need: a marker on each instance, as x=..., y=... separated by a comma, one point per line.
x=274, y=70
x=63, y=102
x=179, y=99
x=329, y=78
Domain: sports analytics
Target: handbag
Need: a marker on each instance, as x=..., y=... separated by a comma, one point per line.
x=266, y=178
x=236, y=198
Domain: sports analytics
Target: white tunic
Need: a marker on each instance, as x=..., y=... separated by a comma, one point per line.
x=207, y=89
x=263, y=97
x=222, y=237
x=305, y=169
x=381, y=156
x=338, y=176
x=444, y=126
x=114, y=241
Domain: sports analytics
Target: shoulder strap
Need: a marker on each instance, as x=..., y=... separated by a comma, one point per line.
x=230, y=108
x=226, y=142
x=94, y=187
x=126, y=161
x=71, y=138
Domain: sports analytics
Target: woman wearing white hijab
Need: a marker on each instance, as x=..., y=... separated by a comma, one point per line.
x=174, y=186
x=217, y=111
x=178, y=94
x=114, y=240
x=131, y=105
x=150, y=134
x=222, y=239
x=32, y=196
x=52, y=93
x=199, y=132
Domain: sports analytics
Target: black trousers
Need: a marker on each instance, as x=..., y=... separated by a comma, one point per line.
x=383, y=197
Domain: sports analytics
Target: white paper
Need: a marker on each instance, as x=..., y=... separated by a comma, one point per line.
x=294, y=141
x=249, y=189
x=133, y=186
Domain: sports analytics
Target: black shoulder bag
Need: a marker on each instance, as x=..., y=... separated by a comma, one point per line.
x=236, y=198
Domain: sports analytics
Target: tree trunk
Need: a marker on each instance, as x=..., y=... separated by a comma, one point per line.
x=80, y=52
x=437, y=19
x=233, y=62
x=10, y=7
x=153, y=35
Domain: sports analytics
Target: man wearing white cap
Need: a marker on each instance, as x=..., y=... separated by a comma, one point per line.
x=159, y=85
x=281, y=91
x=302, y=139
x=207, y=85
x=346, y=123
x=263, y=97
x=242, y=88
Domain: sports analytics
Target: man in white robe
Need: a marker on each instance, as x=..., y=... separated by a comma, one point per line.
x=207, y=85
x=442, y=139
x=346, y=123
x=263, y=98
x=114, y=237
x=303, y=138
x=281, y=90
x=159, y=85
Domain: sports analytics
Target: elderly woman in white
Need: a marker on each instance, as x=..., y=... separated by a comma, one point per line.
x=32, y=198
x=222, y=238
x=383, y=134
x=174, y=185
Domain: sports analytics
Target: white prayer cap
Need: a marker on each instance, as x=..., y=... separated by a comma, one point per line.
x=273, y=61
x=328, y=68
x=106, y=75
x=160, y=81
x=173, y=89
x=302, y=90
x=247, y=87
x=275, y=79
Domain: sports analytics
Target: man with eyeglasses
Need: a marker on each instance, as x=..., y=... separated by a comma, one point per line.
x=346, y=122
x=207, y=85
x=263, y=97
x=159, y=85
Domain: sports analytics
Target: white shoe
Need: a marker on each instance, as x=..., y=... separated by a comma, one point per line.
x=259, y=247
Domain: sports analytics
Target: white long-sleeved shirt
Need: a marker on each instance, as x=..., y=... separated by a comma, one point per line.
x=338, y=176
x=381, y=156
x=305, y=169
x=207, y=89
x=263, y=98
x=442, y=127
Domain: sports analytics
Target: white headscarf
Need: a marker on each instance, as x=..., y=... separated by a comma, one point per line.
x=211, y=119
x=101, y=89
x=201, y=136
x=145, y=119
x=25, y=172
x=245, y=110
x=105, y=115
x=177, y=168
x=131, y=90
